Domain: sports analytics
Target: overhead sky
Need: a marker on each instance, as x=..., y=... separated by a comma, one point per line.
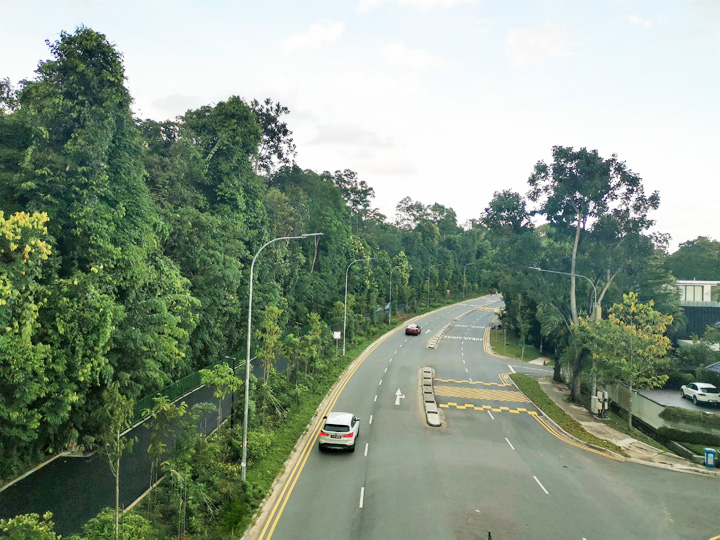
x=444, y=101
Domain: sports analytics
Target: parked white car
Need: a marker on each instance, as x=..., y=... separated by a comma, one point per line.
x=701, y=393
x=341, y=430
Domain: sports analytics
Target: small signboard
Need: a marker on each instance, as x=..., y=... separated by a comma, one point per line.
x=337, y=335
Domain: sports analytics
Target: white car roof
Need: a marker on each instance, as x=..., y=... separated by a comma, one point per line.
x=704, y=385
x=344, y=418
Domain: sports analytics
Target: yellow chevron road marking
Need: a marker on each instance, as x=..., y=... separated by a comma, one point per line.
x=480, y=393
x=470, y=406
x=504, y=383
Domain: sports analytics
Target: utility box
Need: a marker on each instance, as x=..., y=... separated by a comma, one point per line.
x=710, y=457
x=595, y=405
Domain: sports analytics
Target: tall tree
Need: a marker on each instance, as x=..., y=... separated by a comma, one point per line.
x=696, y=259
x=580, y=188
x=630, y=346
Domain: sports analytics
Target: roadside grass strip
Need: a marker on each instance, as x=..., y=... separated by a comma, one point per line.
x=531, y=388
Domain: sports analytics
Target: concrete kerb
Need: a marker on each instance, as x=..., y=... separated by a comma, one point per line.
x=427, y=390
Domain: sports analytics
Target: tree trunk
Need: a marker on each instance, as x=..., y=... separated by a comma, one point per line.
x=576, y=376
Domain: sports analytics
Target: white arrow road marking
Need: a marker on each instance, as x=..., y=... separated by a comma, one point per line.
x=511, y=368
x=398, y=396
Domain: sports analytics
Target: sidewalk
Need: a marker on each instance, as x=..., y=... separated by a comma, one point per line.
x=636, y=451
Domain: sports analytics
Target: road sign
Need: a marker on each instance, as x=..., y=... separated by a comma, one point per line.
x=337, y=335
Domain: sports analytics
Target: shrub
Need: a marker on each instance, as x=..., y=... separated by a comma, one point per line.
x=699, y=419
x=694, y=437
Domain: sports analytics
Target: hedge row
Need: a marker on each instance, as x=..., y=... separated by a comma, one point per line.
x=699, y=419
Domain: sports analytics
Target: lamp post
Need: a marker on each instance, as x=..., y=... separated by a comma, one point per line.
x=433, y=266
x=232, y=399
x=597, y=313
x=243, y=463
x=464, y=269
x=390, y=304
x=346, y=287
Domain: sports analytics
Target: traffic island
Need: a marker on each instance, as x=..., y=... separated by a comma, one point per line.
x=427, y=391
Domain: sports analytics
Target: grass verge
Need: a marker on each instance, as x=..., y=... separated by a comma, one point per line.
x=508, y=344
x=532, y=390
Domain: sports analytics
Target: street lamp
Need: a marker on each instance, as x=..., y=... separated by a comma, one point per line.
x=390, y=304
x=243, y=463
x=346, y=287
x=232, y=399
x=433, y=266
x=464, y=269
x=597, y=314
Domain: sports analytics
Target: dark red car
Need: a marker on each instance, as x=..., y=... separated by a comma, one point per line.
x=412, y=330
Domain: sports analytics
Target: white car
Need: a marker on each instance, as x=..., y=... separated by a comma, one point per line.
x=341, y=430
x=701, y=392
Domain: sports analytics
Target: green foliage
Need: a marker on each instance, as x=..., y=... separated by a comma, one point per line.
x=693, y=437
x=132, y=527
x=28, y=527
x=695, y=418
x=696, y=259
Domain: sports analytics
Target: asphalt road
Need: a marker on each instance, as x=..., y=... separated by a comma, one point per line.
x=493, y=468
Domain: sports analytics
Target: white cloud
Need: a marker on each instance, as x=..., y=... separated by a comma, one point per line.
x=316, y=36
x=532, y=45
x=637, y=21
x=400, y=55
x=363, y=6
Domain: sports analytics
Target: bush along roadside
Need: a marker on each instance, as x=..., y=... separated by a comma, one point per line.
x=532, y=390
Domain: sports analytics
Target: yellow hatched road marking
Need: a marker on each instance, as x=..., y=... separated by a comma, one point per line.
x=473, y=382
x=479, y=393
x=486, y=408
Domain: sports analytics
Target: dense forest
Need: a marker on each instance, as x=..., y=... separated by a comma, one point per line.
x=127, y=243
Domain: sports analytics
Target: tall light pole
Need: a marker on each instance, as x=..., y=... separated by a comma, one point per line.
x=433, y=266
x=597, y=312
x=464, y=269
x=243, y=463
x=346, y=287
x=390, y=304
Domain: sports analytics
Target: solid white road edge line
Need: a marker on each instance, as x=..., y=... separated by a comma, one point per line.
x=508, y=441
x=541, y=486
